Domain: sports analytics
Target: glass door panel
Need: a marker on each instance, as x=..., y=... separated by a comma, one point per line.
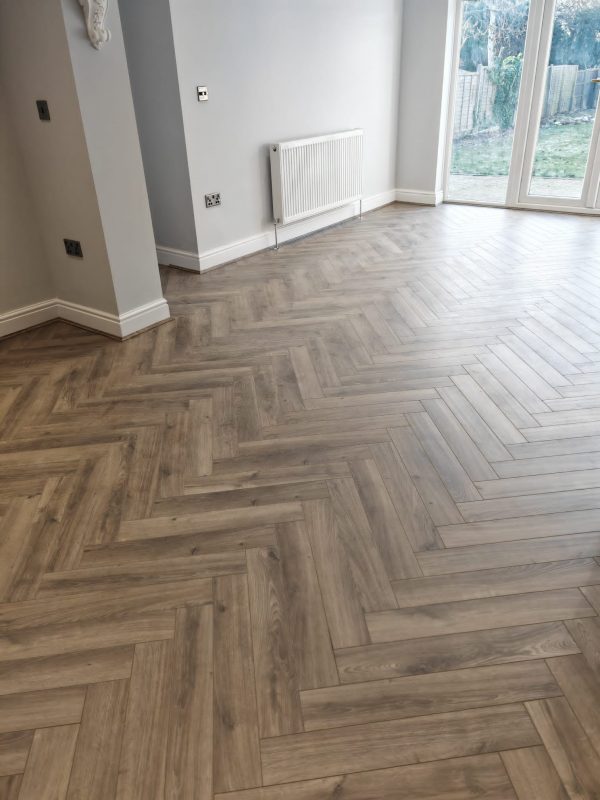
x=569, y=102
x=486, y=94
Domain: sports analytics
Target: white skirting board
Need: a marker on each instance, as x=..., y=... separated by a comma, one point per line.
x=418, y=197
x=261, y=241
x=171, y=257
x=119, y=326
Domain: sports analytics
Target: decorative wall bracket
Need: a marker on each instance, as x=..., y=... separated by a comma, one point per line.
x=95, y=17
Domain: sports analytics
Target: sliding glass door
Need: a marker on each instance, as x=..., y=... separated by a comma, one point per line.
x=524, y=129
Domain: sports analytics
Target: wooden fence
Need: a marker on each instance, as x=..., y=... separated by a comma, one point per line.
x=568, y=90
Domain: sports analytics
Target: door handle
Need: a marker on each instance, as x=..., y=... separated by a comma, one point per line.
x=595, y=80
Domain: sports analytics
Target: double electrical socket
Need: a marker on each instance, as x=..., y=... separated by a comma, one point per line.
x=213, y=199
x=73, y=248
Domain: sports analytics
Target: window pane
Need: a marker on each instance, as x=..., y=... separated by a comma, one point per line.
x=487, y=92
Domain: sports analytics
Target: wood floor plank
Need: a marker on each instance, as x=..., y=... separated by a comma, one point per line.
x=531, y=505
x=213, y=521
x=500, y=395
x=443, y=459
x=409, y=506
x=437, y=499
x=309, y=636
x=48, y=767
x=454, y=651
x=43, y=709
x=474, y=463
x=462, y=778
x=96, y=763
x=190, y=725
x=548, y=465
x=388, y=532
x=236, y=738
x=69, y=669
x=489, y=411
x=539, y=484
x=343, y=609
x=519, y=528
x=379, y=745
x=16, y=528
x=142, y=474
x=396, y=698
x=277, y=688
x=497, y=582
x=592, y=595
x=200, y=448
x=581, y=687
x=586, y=634
x=472, y=615
x=145, y=573
x=534, y=551
x=570, y=750
x=533, y=775
x=14, y=750
x=219, y=542
x=357, y=541
x=143, y=753
x=483, y=436
x=10, y=787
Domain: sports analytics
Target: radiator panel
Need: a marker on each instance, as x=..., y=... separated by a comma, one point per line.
x=310, y=176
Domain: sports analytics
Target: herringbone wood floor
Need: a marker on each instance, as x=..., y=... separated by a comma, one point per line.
x=332, y=531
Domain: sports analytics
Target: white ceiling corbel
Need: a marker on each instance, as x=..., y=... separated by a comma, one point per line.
x=95, y=17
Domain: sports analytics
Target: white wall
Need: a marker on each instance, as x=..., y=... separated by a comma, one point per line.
x=280, y=69
x=153, y=74
x=24, y=278
x=426, y=51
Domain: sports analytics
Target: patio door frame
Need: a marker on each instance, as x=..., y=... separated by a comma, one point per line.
x=536, y=55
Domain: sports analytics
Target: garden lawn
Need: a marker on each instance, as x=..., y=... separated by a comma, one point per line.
x=562, y=152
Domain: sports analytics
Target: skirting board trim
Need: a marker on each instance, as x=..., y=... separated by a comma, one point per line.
x=419, y=197
x=27, y=317
x=184, y=259
x=254, y=244
x=119, y=326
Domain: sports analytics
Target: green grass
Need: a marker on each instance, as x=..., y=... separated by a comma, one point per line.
x=562, y=152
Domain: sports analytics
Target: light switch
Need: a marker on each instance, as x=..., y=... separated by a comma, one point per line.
x=202, y=92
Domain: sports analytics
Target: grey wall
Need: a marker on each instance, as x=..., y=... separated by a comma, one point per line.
x=84, y=167
x=106, y=107
x=153, y=73
x=35, y=63
x=426, y=49
x=280, y=69
x=24, y=277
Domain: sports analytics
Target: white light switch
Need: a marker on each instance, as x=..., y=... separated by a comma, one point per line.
x=202, y=92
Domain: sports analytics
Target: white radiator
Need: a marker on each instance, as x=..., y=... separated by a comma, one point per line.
x=310, y=176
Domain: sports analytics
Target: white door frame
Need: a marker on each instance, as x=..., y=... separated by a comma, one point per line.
x=527, y=121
